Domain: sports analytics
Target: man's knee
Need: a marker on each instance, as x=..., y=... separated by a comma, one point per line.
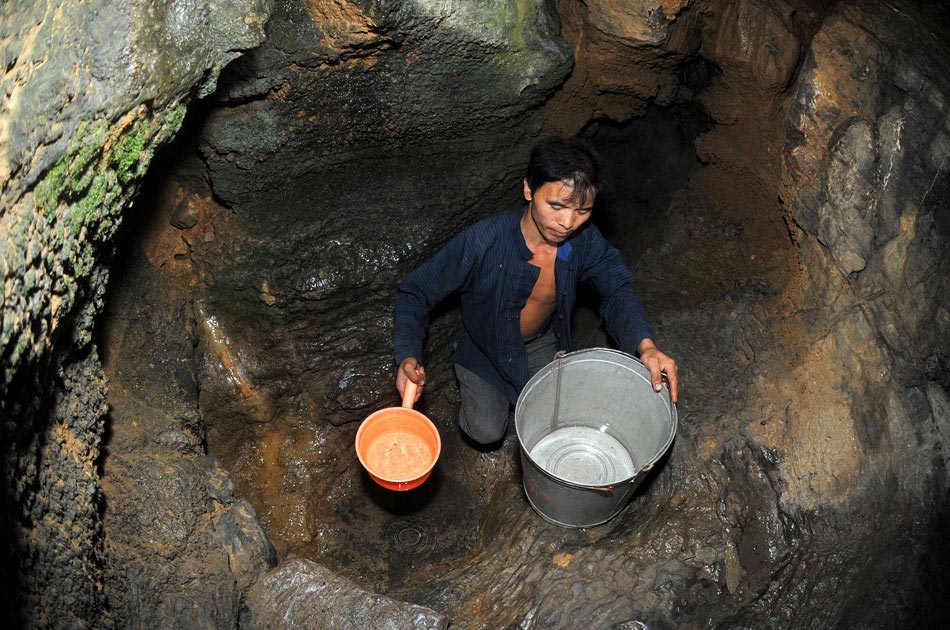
x=484, y=411
x=484, y=428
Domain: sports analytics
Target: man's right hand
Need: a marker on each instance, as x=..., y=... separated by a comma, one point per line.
x=410, y=370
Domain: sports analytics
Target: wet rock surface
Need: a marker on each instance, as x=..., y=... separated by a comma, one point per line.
x=180, y=549
x=303, y=594
x=88, y=93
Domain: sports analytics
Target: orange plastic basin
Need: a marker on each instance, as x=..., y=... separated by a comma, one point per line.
x=398, y=446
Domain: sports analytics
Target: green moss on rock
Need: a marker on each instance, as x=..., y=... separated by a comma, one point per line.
x=73, y=172
x=130, y=155
x=173, y=120
x=86, y=190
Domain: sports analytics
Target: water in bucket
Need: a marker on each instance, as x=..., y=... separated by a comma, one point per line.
x=584, y=455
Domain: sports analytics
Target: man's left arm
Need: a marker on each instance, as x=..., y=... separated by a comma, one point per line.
x=623, y=312
x=659, y=363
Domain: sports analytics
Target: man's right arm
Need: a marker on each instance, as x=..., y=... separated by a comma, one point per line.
x=410, y=370
x=418, y=292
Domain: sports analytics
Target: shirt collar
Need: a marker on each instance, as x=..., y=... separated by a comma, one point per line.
x=523, y=248
x=564, y=249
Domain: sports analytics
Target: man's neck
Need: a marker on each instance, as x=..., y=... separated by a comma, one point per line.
x=532, y=237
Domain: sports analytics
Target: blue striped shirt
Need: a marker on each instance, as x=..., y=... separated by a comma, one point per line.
x=488, y=264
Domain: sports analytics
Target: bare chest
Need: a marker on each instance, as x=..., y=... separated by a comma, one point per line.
x=542, y=300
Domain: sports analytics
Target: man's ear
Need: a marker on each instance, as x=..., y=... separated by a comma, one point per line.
x=527, y=190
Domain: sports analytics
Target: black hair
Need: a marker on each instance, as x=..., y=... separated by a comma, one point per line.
x=569, y=160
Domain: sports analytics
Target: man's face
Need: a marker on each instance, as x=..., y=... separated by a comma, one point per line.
x=555, y=215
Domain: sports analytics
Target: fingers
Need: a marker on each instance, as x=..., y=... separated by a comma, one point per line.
x=410, y=370
x=418, y=376
x=661, y=365
x=415, y=373
x=408, y=366
x=673, y=378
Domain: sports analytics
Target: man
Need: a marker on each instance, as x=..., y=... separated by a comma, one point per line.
x=517, y=275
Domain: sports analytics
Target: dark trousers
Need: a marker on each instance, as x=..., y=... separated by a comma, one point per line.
x=484, y=412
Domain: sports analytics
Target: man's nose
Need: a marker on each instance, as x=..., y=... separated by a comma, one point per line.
x=566, y=221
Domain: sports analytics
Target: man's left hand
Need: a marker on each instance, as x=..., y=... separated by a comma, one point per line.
x=659, y=364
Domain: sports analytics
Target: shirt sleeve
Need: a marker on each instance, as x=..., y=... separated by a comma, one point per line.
x=620, y=305
x=423, y=288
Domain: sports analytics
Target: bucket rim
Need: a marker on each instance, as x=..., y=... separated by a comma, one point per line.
x=533, y=382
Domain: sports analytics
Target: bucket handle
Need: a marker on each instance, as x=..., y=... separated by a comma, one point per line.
x=635, y=479
x=557, y=390
x=409, y=394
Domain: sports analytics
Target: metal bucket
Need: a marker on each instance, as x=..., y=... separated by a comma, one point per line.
x=590, y=427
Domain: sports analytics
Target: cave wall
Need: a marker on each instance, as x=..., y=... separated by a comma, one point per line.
x=435, y=100
x=354, y=141
x=865, y=180
x=88, y=93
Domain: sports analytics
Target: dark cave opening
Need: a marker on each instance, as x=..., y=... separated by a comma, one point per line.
x=646, y=160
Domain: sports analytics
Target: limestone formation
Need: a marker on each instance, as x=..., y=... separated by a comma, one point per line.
x=87, y=95
x=303, y=594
